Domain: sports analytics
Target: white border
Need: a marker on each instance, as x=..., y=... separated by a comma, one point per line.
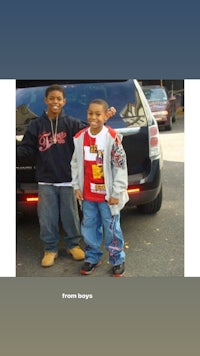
x=192, y=178
x=7, y=178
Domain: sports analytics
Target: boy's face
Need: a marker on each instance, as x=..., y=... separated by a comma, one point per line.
x=55, y=102
x=96, y=116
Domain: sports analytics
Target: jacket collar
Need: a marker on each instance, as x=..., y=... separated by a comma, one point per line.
x=62, y=114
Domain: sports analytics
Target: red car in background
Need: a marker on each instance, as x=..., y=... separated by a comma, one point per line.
x=162, y=105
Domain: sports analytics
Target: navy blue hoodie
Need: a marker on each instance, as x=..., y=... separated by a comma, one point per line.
x=52, y=160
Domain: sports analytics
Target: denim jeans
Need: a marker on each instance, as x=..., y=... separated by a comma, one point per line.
x=58, y=203
x=98, y=223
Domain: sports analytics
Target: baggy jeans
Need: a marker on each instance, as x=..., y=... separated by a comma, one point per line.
x=58, y=202
x=98, y=223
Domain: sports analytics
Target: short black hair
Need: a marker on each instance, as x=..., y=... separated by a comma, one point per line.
x=100, y=102
x=55, y=87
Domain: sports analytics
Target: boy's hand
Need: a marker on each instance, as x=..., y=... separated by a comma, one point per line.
x=111, y=112
x=113, y=201
x=78, y=194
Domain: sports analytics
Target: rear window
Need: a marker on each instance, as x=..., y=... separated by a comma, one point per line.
x=155, y=94
x=122, y=95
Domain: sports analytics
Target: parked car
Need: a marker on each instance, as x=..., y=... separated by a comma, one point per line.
x=134, y=120
x=163, y=106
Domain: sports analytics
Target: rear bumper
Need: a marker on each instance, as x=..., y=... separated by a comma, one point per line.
x=26, y=208
x=143, y=197
x=148, y=187
x=24, y=191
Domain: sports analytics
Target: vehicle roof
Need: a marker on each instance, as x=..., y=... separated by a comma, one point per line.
x=38, y=83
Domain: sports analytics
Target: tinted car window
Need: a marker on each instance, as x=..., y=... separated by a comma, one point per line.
x=121, y=95
x=155, y=94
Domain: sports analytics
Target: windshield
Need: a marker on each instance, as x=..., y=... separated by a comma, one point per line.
x=155, y=94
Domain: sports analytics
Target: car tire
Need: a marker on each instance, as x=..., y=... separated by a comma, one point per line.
x=152, y=207
x=169, y=126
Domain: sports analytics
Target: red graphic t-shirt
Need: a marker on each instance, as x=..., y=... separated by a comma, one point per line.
x=94, y=187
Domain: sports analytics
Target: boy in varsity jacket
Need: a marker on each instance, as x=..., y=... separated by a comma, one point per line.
x=99, y=177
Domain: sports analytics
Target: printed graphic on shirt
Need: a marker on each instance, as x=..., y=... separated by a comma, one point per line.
x=97, y=171
x=98, y=188
x=93, y=148
x=45, y=140
x=99, y=158
x=94, y=187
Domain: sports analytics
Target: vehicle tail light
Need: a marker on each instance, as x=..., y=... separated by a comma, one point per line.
x=154, y=144
x=28, y=198
x=32, y=199
x=133, y=190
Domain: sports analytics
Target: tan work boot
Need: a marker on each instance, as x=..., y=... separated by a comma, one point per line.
x=77, y=253
x=48, y=259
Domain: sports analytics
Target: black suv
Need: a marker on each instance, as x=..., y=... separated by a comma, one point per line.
x=134, y=120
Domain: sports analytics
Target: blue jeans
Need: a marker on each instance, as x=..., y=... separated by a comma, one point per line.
x=54, y=203
x=98, y=223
